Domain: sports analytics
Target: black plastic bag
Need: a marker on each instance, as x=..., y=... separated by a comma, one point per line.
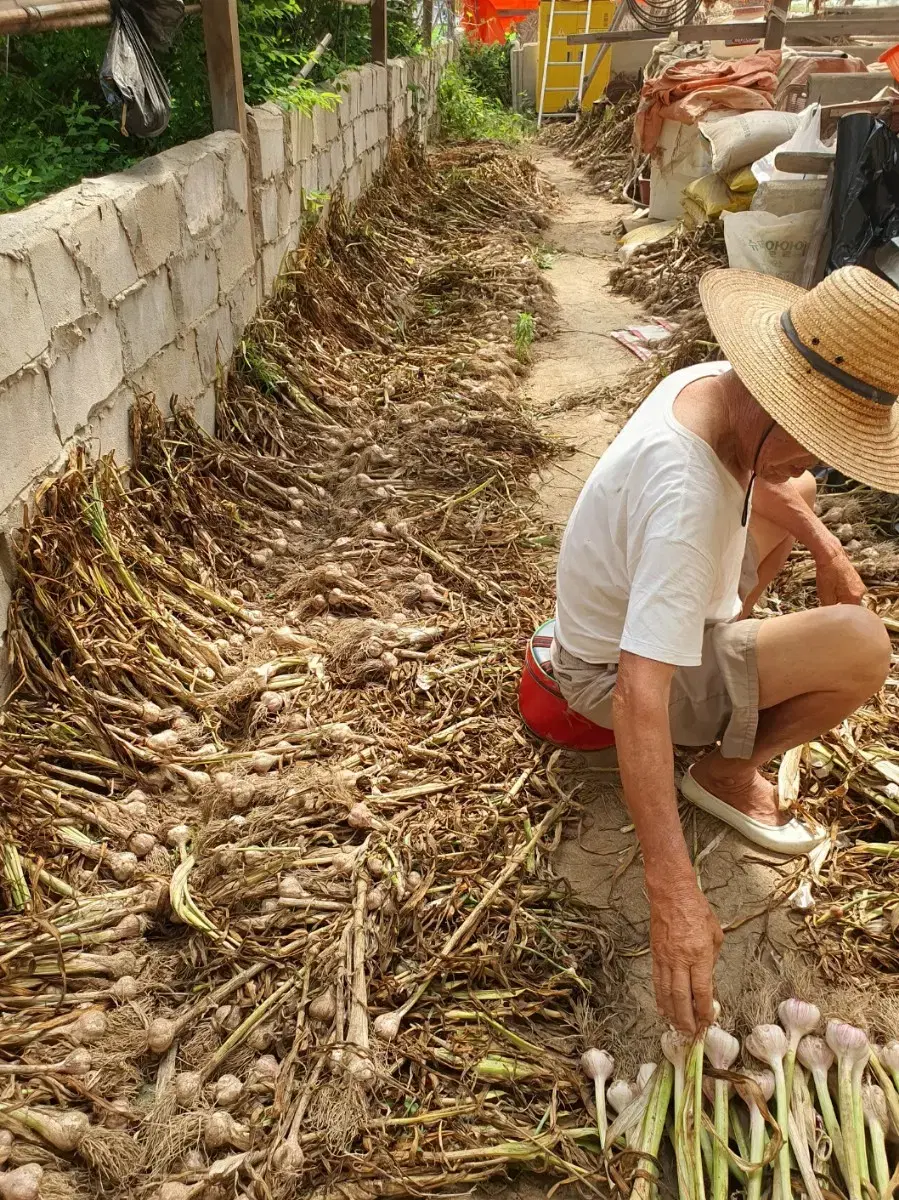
x=865, y=212
x=158, y=20
x=129, y=75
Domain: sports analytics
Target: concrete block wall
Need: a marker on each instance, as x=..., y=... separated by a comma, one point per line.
x=144, y=281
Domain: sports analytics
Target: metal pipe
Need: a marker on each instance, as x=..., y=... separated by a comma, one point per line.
x=67, y=14
x=315, y=56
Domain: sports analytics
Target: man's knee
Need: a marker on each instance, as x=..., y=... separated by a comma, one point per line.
x=807, y=487
x=867, y=639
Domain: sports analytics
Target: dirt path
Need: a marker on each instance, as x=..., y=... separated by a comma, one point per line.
x=602, y=860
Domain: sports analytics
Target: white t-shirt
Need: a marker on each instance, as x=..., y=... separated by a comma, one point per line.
x=654, y=547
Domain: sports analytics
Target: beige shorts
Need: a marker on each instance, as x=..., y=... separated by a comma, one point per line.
x=716, y=701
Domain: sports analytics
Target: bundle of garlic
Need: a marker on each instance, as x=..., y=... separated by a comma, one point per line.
x=834, y=1123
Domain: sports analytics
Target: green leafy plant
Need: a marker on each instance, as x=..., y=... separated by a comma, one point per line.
x=467, y=116
x=525, y=332
x=488, y=66
x=56, y=127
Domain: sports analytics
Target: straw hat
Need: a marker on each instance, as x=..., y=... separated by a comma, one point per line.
x=824, y=363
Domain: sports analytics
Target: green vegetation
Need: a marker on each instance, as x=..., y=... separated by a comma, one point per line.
x=488, y=66
x=467, y=115
x=525, y=332
x=55, y=126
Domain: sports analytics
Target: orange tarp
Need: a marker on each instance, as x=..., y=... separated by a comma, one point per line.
x=687, y=90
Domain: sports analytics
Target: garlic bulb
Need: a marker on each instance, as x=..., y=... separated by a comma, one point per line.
x=220, y=1130
x=187, y=1087
x=24, y=1183
x=387, y=1026
x=88, y=1028
x=228, y=1090
x=324, y=1007
x=160, y=1035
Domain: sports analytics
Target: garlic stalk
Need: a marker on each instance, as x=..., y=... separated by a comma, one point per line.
x=799, y=1143
x=764, y=1081
x=850, y=1045
x=598, y=1066
x=651, y=1129
x=675, y=1046
x=817, y=1057
x=799, y=1019
x=875, y=1108
x=644, y=1074
x=889, y=1056
x=879, y=1060
x=768, y=1043
x=721, y=1049
x=692, y=1116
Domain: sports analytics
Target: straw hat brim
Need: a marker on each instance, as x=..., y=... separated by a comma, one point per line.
x=858, y=437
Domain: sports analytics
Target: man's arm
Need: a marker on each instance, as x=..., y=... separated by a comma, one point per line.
x=837, y=580
x=685, y=937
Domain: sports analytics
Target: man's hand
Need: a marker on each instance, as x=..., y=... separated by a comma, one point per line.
x=836, y=579
x=685, y=939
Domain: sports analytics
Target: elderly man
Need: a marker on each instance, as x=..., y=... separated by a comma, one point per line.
x=686, y=519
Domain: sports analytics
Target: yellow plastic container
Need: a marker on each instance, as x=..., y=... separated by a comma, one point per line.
x=564, y=74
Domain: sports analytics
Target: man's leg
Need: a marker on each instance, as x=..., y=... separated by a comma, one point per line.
x=774, y=544
x=815, y=668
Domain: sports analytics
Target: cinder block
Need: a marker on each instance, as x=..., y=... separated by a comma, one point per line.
x=380, y=85
x=306, y=177
x=267, y=201
x=353, y=83
x=332, y=125
x=326, y=178
x=174, y=371
x=109, y=427
x=235, y=255
x=148, y=203
x=367, y=88
x=87, y=372
x=195, y=285
x=349, y=150
x=371, y=129
x=288, y=207
x=203, y=193
x=243, y=302
x=337, y=162
x=272, y=259
x=27, y=433
x=95, y=238
x=359, y=138
x=265, y=134
x=237, y=177
x=205, y=409
x=396, y=119
x=32, y=235
x=382, y=125
x=23, y=335
x=365, y=168
x=215, y=343
x=353, y=185
x=146, y=319
x=319, y=128
x=301, y=135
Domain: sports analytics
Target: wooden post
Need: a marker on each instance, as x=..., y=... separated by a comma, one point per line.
x=427, y=23
x=776, y=24
x=224, y=66
x=379, y=31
